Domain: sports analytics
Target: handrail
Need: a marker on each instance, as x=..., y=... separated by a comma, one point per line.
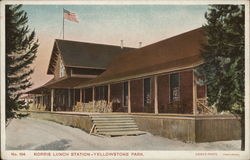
x=201, y=104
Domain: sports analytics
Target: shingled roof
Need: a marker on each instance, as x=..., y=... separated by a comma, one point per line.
x=84, y=55
x=179, y=52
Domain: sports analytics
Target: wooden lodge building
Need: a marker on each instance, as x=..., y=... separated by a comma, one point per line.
x=155, y=83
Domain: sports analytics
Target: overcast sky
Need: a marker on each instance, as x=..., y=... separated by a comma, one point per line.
x=108, y=24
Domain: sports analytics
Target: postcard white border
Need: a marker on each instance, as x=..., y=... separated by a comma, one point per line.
x=147, y=154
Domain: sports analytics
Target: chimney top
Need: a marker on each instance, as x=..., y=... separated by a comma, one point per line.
x=121, y=44
x=140, y=44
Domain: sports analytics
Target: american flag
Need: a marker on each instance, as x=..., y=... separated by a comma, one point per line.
x=69, y=16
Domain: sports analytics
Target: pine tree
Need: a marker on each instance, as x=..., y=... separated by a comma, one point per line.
x=223, y=56
x=21, y=48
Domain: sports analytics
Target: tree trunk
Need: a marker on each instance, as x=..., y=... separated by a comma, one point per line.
x=242, y=121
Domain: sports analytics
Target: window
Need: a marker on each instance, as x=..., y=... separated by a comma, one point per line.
x=62, y=69
x=125, y=94
x=102, y=93
x=174, y=87
x=147, y=91
x=88, y=93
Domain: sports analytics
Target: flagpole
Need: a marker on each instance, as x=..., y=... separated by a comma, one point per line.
x=63, y=23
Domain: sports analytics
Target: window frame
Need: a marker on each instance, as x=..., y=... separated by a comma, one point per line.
x=125, y=103
x=179, y=86
x=150, y=91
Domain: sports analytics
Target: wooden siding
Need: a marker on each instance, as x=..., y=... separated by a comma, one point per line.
x=186, y=91
x=136, y=89
x=163, y=93
x=57, y=68
x=220, y=129
x=201, y=91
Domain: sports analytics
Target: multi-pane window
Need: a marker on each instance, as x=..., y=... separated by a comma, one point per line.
x=174, y=87
x=62, y=69
x=147, y=91
x=125, y=94
x=102, y=92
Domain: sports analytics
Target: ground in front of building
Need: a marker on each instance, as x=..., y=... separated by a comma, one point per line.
x=36, y=134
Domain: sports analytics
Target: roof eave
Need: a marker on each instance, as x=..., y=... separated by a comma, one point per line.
x=139, y=75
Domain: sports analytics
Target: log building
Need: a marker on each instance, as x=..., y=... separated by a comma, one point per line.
x=155, y=83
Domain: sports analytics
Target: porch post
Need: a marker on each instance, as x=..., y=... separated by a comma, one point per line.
x=42, y=99
x=93, y=96
x=194, y=94
x=108, y=93
x=69, y=99
x=34, y=100
x=74, y=97
x=129, y=100
x=81, y=95
x=52, y=99
x=156, y=94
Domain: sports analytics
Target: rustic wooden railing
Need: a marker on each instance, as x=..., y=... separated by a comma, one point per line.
x=202, y=106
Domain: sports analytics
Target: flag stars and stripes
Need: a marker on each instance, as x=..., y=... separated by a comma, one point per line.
x=70, y=16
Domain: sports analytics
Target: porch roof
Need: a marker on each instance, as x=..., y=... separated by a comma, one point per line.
x=176, y=53
x=65, y=82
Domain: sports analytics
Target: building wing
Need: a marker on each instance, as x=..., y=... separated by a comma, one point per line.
x=83, y=55
x=174, y=53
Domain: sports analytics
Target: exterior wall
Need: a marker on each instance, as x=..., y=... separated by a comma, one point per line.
x=217, y=129
x=201, y=91
x=191, y=129
x=181, y=129
x=116, y=90
x=57, y=68
x=163, y=93
x=136, y=89
x=187, y=129
x=186, y=91
x=83, y=122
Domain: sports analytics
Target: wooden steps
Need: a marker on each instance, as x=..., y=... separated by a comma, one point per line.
x=114, y=125
x=127, y=133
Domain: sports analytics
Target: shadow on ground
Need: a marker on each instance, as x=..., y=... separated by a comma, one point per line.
x=21, y=147
x=55, y=145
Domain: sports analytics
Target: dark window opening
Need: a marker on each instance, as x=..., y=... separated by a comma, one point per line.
x=125, y=94
x=102, y=93
x=147, y=91
x=174, y=87
x=77, y=95
x=88, y=95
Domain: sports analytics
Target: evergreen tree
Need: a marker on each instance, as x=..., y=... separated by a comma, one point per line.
x=223, y=56
x=21, y=48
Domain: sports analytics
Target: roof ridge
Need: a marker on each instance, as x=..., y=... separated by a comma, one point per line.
x=93, y=43
x=164, y=40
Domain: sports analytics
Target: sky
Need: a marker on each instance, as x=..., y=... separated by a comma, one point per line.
x=108, y=24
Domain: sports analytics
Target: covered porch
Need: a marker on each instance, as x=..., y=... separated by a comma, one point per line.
x=175, y=93
x=168, y=93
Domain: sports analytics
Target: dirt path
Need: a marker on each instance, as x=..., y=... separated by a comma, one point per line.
x=35, y=134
